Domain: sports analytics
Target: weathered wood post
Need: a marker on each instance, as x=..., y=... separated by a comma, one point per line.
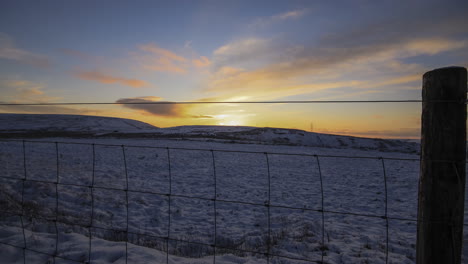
x=442, y=172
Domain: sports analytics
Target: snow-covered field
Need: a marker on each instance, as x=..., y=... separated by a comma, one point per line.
x=245, y=199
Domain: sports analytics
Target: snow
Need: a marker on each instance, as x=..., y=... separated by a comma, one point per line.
x=241, y=184
x=76, y=123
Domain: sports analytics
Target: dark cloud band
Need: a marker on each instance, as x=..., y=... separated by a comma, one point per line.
x=167, y=110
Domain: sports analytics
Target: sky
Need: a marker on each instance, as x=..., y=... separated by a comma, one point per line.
x=228, y=51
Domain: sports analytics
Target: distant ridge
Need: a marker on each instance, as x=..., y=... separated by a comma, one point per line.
x=68, y=123
x=43, y=126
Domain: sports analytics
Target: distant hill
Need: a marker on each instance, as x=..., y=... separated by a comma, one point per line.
x=14, y=123
x=282, y=136
x=35, y=126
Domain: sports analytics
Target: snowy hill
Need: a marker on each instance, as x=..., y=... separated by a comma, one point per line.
x=23, y=125
x=294, y=137
x=68, y=123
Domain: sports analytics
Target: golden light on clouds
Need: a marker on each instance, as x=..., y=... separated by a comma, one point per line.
x=156, y=58
x=201, y=62
x=109, y=79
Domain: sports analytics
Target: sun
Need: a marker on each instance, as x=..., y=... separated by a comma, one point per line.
x=229, y=120
x=230, y=123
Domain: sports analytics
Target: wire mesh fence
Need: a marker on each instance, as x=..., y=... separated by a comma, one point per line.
x=70, y=202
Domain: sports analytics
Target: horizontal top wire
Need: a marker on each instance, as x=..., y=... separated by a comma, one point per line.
x=232, y=102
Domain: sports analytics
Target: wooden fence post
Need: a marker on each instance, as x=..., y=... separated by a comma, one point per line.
x=443, y=164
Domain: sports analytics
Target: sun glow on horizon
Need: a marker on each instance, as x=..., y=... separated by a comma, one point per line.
x=230, y=120
x=230, y=123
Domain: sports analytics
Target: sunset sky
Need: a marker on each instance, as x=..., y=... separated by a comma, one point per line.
x=125, y=51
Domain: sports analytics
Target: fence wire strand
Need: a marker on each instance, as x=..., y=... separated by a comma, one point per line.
x=126, y=202
x=386, y=209
x=23, y=180
x=268, y=208
x=322, y=208
x=56, y=200
x=91, y=188
x=215, y=196
x=169, y=195
x=238, y=102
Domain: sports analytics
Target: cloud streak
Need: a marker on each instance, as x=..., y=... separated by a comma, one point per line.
x=201, y=62
x=289, y=15
x=109, y=79
x=9, y=51
x=321, y=59
x=23, y=91
x=82, y=55
x=25, y=109
x=403, y=133
x=155, y=58
x=253, y=50
x=319, y=62
x=375, y=48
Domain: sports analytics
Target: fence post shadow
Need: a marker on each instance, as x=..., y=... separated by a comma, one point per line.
x=443, y=166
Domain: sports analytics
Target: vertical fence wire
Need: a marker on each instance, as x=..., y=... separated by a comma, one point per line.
x=322, y=209
x=214, y=207
x=24, y=235
x=56, y=200
x=169, y=204
x=126, y=202
x=386, y=208
x=91, y=188
x=23, y=181
x=268, y=208
x=459, y=179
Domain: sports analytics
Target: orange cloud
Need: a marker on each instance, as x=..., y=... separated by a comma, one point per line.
x=163, y=60
x=393, y=81
x=162, y=52
x=201, y=62
x=108, y=79
x=154, y=58
x=260, y=85
x=23, y=91
x=164, y=65
x=34, y=91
